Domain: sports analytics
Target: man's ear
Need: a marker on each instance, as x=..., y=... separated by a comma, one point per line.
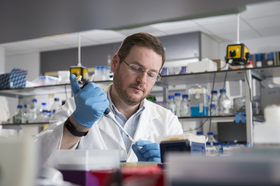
x=115, y=62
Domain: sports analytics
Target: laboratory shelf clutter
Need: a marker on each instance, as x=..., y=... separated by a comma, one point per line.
x=178, y=79
x=259, y=73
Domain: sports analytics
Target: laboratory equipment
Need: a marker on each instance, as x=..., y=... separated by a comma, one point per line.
x=211, y=138
x=183, y=70
x=165, y=71
x=184, y=107
x=237, y=54
x=171, y=104
x=210, y=149
x=218, y=148
x=239, y=104
x=18, y=115
x=213, y=110
x=177, y=100
x=206, y=65
x=181, y=143
x=79, y=69
x=33, y=112
x=55, y=106
x=214, y=98
x=224, y=104
x=24, y=118
x=76, y=165
x=199, y=100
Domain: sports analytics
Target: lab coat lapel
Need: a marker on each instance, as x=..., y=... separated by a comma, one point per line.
x=145, y=126
x=110, y=128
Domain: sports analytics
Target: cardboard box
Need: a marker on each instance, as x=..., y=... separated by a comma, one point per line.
x=15, y=79
x=202, y=66
x=221, y=64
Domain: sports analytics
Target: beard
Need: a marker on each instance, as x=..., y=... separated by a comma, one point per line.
x=122, y=92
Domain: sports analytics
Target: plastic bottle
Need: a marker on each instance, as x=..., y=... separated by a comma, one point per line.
x=171, y=104
x=41, y=112
x=211, y=138
x=164, y=71
x=224, y=104
x=183, y=70
x=24, y=118
x=214, y=95
x=55, y=106
x=45, y=116
x=18, y=115
x=33, y=112
x=218, y=148
x=178, y=104
x=210, y=149
x=258, y=60
x=250, y=64
x=184, y=106
x=199, y=133
x=213, y=110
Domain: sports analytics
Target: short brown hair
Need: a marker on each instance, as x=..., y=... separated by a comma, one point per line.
x=141, y=39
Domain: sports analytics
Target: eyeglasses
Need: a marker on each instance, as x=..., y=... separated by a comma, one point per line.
x=152, y=76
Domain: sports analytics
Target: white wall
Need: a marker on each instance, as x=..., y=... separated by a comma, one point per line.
x=257, y=45
x=209, y=47
x=29, y=61
x=2, y=59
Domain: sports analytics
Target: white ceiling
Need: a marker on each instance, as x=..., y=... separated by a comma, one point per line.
x=259, y=20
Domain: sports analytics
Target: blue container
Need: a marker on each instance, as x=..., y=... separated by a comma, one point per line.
x=195, y=111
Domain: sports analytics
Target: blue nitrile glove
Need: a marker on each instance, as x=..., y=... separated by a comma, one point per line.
x=240, y=115
x=149, y=152
x=91, y=102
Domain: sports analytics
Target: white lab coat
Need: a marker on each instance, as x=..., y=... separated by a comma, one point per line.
x=154, y=121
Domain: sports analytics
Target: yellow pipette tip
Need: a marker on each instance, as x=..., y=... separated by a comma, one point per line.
x=79, y=77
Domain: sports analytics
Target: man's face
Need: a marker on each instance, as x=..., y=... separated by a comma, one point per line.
x=132, y=87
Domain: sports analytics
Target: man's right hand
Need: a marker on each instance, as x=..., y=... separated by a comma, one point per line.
x=91, y=102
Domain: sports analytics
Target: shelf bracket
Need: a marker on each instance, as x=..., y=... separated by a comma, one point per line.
x=257, y=76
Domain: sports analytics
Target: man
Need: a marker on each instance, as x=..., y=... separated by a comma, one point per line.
x=136, y=68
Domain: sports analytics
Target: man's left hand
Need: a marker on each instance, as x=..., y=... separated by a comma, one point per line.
x=149, y=152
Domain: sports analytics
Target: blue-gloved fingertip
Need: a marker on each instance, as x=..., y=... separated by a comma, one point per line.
x=74, y=84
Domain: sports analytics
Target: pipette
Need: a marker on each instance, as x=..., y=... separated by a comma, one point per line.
x=110, y=115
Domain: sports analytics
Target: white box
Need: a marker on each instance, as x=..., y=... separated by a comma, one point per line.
x=202, y=66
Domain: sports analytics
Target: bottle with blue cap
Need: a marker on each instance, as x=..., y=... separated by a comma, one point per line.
x=18, y=115
x=184, y=108
x=24, y=118
x=258, y=60
x=225, y=107
x=211, y=138
x=55, y=106
x=171, y=104
x=214, y=94
x=33, y=112
x=178, y=104
x=218, y=148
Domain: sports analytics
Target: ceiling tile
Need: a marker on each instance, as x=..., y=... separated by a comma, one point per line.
x=149, y=29
x=265, y=22
x=71, y=39
x=229, y=27
x=99, y=35
x=272, y=31
x=261, y=10
x=216, y=20
x=174, y=25
x=41, y=43
x=15, y=46
x=243, y=35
